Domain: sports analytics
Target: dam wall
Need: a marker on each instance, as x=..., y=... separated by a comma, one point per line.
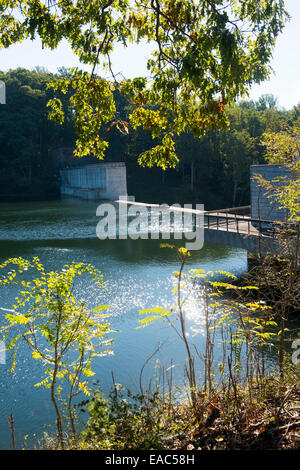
x=264, y=205
x=102, y=181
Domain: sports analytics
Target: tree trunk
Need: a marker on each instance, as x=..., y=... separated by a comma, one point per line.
x=234, y=194
x=192, y=175
x=58, y=417
x=29, y=177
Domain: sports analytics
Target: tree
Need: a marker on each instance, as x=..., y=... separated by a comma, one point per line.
x=207, y=54
x=283, y=147
x=27, y=138
x=279, y=272
x=267, y=101
x=60, y=330
x=238, y=147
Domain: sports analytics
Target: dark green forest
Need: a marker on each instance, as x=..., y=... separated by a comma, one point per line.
x=213, y=170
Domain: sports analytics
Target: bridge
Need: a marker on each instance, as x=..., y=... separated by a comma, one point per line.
x=232, y=227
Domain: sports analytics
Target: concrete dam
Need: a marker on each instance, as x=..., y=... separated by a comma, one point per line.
x=102, y=181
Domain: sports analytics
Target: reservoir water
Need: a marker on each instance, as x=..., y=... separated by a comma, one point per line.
x=137, y=274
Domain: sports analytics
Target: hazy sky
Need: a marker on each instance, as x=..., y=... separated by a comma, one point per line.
x=284, y=83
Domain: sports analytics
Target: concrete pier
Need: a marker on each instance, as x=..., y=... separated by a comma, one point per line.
x=102, y=181
x=263, y=204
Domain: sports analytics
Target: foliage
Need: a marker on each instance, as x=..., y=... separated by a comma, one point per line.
x=265, y=418
x=238, y=146
x=282, y=147
x=60, y=330
x=244, y=324
x=126, y=421
x=205, y=56
x=246, y=408
x=209, y=168
x=278, y=273
x=27, y=138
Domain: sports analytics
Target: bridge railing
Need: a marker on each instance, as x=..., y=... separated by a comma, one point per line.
x=226, y=220
x=240, y=210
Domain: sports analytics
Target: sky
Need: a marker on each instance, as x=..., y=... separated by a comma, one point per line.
x=284, y=83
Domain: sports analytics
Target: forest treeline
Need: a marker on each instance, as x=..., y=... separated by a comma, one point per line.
x=213, y=170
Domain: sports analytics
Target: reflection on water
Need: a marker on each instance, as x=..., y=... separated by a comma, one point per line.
x=75, y=219
x=137, y=273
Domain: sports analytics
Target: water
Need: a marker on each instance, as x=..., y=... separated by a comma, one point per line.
x=137, y=273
